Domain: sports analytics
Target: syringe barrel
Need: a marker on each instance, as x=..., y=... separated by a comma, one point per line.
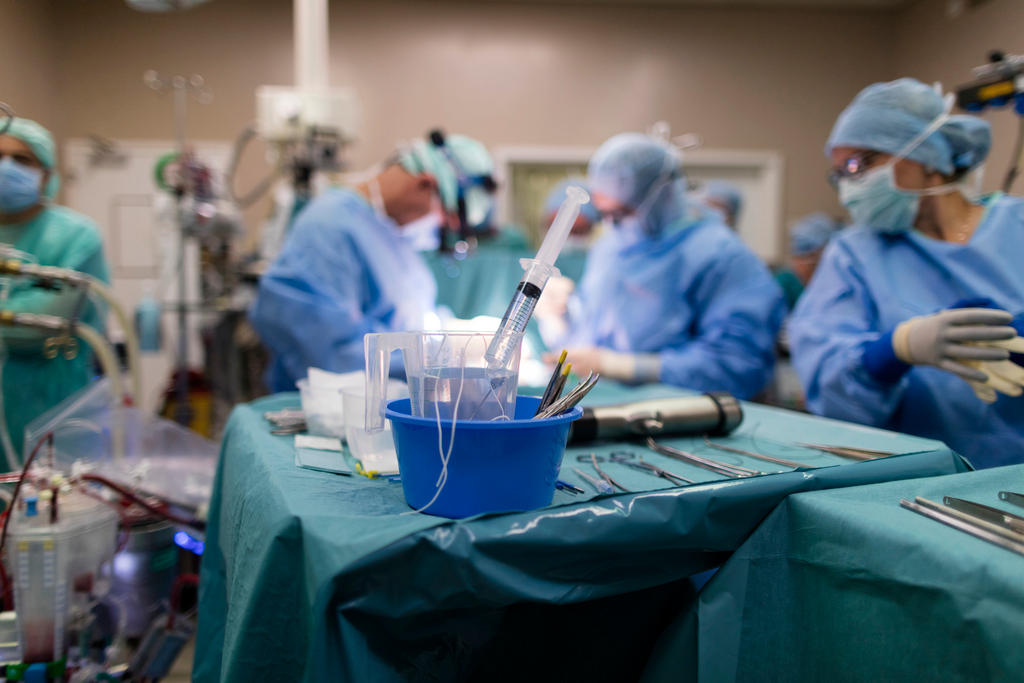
x=507, y=339
x=575, y=197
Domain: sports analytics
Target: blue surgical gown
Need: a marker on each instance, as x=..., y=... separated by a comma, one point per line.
x=695, y=295
x=868, y=283
x=344, y=271
x=33, y=383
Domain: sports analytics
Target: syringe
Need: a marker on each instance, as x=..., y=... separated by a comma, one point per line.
x=538, y=270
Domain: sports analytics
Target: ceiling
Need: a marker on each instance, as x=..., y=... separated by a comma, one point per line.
x=816, y=4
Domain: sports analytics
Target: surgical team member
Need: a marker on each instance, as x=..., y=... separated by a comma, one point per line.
x=346, y=268
x=725, y=197
x=896, y=330
x=582, y=233
x=808, y=238
x=669, y=294
x=54, y=236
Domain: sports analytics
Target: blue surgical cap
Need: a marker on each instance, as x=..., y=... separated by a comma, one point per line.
x=557, y=196
x=473, y=161
x=885, y=117
x=811, y=233
x=626, y=166
x=41, y=143
x=725, y=193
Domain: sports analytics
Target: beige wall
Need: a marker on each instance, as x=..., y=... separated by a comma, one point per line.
x=507, y=73
x=28, y=59
x=932, y=46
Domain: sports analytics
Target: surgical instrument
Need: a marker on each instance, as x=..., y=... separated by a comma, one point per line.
x=1011, y=497
x=569, y=401
x=987, y=513
x=284, y=415
x=715, y=413
x=722, y=468
x=970, y=525
x=750, y=454
x=566, y=486
x=507, y=339
x=604, y=475
x=630, y=459
x=545, y=398
x=285, y=422
x=556, y=392
x=600, y=485
x=848, y=451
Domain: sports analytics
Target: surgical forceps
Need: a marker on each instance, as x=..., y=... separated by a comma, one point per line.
x=734, y=471
x=592, y=459
x=631, y=459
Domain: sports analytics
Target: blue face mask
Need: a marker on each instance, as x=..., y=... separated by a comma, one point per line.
x=19, y=186
x=641, y=222
x=873, y=200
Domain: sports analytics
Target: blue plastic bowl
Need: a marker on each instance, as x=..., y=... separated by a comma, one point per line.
x=494, y=466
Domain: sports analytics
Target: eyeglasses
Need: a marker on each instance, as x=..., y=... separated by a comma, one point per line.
x=852, y=168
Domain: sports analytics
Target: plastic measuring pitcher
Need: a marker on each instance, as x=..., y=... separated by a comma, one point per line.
x=448, y=375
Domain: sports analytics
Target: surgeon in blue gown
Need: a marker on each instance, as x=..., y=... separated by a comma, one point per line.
x=669, y=294
x=912, y=314
x=347, y=269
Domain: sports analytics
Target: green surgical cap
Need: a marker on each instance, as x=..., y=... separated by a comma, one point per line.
x=472, y=159
x=43, y=147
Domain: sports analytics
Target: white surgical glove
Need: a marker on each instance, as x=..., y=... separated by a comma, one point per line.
x=954, y=340
x=1004, y=376
x=624, y=367
x=552, y=309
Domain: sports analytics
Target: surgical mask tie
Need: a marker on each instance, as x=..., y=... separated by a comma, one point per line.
x=376, y=198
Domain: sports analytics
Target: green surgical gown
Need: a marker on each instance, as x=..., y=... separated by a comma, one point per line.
x=33, y=383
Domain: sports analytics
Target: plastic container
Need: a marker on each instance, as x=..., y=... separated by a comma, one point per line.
x=322, y=406
x=502, y=466
x=448, y=374
x=55, y=567
x=374, y=450
x=160, y=456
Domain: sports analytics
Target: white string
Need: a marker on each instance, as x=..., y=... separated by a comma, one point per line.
x=442, y=478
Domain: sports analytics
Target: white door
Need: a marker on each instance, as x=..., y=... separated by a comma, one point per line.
x=118, y=191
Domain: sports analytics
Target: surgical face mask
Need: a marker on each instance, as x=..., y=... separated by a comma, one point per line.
x=638, y=223
x=424, y=233
x=19, y=186
x=874, y=200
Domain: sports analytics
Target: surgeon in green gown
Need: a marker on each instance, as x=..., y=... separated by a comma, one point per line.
x=50, y=235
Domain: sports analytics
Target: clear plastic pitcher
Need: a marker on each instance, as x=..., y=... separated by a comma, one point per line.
x=447, y=373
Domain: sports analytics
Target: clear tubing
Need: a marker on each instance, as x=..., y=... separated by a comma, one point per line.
x=108, y=361
x=131, y=338
x=5, y=435
x=102, y=291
